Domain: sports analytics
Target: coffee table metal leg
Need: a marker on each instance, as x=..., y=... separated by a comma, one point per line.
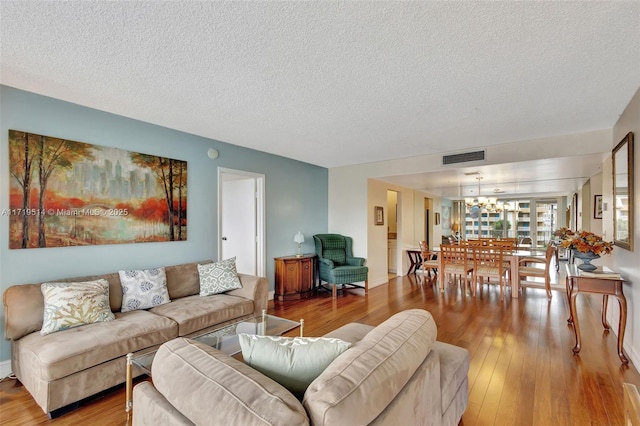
x=129, y=384
x=301, y=327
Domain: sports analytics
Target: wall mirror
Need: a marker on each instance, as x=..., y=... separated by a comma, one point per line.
x=623, y=193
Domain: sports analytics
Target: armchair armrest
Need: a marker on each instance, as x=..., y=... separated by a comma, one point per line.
x=430, y=255
x=532, y=260
x=254, y=288
x=327, y=262
x=355, y=261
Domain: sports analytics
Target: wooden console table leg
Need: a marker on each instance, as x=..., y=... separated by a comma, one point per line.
x=129, y=384
x=605, y=302
x=569, y=287
x=621, y=327
x=576, y=326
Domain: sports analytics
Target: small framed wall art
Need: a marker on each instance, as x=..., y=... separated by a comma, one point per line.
x=378, y=215
x=597, y=206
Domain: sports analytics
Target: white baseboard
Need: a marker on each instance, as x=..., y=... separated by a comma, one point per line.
x=271, y=295
x=5, y=368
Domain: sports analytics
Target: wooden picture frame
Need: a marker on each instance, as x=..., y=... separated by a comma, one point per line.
x=437, y=218
x=622, y=157
x=378, y=215
x=597, y=206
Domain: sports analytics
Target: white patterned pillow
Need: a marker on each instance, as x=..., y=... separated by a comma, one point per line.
x=68, y=305
x=218, y=277
x=143, y=289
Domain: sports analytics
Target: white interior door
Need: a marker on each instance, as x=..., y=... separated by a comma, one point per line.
x=241, y=220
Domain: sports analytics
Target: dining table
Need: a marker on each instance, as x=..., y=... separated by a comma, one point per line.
x=513, y=257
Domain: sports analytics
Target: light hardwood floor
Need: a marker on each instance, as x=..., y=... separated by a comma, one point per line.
x=522, y=372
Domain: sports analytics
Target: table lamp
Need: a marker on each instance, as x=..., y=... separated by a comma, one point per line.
x=299, y=238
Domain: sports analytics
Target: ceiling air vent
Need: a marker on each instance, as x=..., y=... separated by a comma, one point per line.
x=463, y=157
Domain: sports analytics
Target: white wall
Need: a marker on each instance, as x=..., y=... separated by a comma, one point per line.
x=351, y=199
x=595, y=184
x=621, y=260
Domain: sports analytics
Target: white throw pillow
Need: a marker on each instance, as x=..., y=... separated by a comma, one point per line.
x=68, y=305
x=218, y=277
x=294, y=362
x=143, y=289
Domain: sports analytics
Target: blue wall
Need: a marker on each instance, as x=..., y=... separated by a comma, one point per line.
x=296, y=193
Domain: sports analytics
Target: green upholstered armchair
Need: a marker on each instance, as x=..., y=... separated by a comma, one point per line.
x=337, y=264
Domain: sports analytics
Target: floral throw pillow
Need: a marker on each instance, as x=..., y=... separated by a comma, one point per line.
x=68, y=305
x=143, y=289
x=218, y=277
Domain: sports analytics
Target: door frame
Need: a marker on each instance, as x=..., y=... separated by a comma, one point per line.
x=259, y=180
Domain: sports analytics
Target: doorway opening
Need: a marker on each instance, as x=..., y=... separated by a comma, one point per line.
x=241, y=219
x=392, y=231
x=428, y=224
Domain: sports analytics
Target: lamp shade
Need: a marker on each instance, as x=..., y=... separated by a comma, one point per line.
x=298, y=238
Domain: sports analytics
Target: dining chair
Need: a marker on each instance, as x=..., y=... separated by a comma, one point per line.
x=527, y=268
x=489, y=262
x=429, y=258
x=507, y=245
x=456, y=262
x=526, y=240
x=513, y=241
x=476, y=243
x=504, y=244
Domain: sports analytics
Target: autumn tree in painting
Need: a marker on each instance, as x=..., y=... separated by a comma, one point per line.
x=182, y=185
x=56, y=155
x=67, y=193
x=21, y=156
x=171, y=175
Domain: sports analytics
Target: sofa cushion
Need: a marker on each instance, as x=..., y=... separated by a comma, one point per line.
x=294, y=362
x=24, y=304
x=68, y=305
x=352, y=332
x=218, y=277
x=23, y=310
x=235, y=393
x=143, y=289
x=362, y=381
x=183, y=280
x=194, y=313
x=66, y=352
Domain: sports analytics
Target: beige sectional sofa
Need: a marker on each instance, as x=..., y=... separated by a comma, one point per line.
x=393, y=374
x=64, y=367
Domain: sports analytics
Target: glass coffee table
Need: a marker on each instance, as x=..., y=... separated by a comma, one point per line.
x=225, y=339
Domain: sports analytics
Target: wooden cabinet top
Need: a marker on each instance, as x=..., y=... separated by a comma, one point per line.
x=304, y=256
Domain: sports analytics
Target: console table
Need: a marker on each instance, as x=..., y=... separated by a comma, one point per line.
x=577, y=282
x=295, y=277
x=415, y=260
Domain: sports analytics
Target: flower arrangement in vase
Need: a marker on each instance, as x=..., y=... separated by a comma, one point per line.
x=584, y=244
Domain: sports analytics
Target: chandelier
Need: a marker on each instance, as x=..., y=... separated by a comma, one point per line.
x=480, y=202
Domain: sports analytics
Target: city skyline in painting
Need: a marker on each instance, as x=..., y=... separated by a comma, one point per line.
x=67, y=193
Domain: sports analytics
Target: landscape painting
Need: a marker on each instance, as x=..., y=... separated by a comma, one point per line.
x=66, y=193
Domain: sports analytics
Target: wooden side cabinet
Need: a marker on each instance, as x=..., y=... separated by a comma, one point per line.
x=295, y=277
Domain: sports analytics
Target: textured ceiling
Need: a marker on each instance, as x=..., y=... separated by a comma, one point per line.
x=334, y=83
